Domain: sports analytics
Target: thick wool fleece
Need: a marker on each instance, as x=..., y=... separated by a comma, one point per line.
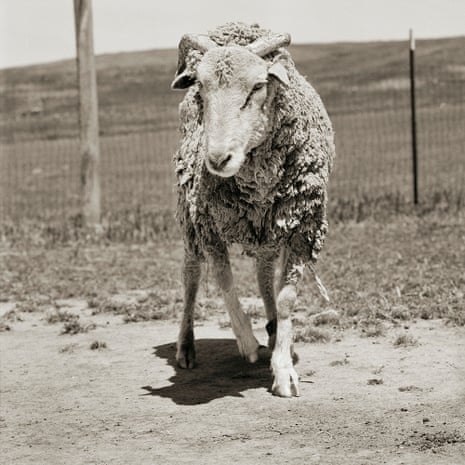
x=279, y=194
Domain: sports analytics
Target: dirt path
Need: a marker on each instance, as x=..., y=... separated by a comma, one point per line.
x=363, y=400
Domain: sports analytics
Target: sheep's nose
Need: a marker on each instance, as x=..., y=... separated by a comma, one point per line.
x=218, y=161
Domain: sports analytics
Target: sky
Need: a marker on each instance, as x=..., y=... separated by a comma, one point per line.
x=36, y=31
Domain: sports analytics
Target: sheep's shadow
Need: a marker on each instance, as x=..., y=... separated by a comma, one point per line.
x=220, y=372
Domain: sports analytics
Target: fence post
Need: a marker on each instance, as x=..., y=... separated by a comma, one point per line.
x=413, y=118
x=88, y=114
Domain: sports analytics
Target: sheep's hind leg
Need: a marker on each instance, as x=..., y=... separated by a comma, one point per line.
x=286, y=380
x=240, y=322
x=265, y=277
x=185, y=354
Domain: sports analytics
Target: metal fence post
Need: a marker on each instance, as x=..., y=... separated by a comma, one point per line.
x=88, y=113
x=413, y=118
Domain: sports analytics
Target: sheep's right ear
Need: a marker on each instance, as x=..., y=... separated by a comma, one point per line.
x=202, y=43
x=183, y=81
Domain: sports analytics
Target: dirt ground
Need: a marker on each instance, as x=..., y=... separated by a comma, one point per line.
x=363, y=400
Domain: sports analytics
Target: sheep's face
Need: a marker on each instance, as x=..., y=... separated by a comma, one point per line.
x=234, y=90
x=237, y=90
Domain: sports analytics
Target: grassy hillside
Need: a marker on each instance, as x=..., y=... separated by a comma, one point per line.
x=134, y=92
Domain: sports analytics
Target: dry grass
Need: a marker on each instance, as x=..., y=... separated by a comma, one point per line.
x=375, y=381
x=12, y=316
x=410, y=388
x=310, y=334
x=60, y=316
x=98, y=345
x=4, y=327
x=433, y=440
x=379, y=275
x=68, y=348
x=405, y=340
x=74, y=326
x=338, y=363
x=328, y=317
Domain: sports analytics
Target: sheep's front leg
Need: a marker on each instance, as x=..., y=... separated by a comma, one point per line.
x=286, y=380
x=185, y=354
x=240, y=322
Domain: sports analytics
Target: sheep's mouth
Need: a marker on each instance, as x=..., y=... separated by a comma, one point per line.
x=226, y=172
x=226, y=165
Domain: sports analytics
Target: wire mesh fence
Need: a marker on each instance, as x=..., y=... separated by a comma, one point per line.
x=365, y=87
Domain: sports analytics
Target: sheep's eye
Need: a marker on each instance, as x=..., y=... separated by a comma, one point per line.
x=258, y=86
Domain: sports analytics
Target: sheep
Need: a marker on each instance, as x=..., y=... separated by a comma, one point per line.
x=252, y=167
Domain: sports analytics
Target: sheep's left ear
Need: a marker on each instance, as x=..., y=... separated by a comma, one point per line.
x=184, y=78
x=278, y=71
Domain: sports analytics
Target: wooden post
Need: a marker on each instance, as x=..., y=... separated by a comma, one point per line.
x=414, y=118
x=88, y=114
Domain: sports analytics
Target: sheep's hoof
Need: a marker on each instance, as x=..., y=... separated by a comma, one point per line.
x=249, y=350
x=253, y=357
x=185, y=356
x=286, y=383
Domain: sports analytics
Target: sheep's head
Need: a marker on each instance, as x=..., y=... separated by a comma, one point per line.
x=237, y=87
